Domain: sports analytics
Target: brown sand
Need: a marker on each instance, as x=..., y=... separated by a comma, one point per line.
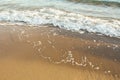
x=47, y=53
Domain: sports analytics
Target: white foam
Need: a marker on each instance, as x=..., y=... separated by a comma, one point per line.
x=66, y=20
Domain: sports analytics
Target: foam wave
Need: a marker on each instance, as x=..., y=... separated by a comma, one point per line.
x=112, y=3
x=63, y=19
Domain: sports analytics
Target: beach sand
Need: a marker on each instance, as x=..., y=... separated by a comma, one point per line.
x=49, y=53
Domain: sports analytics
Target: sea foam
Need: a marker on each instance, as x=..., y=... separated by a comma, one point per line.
x=65, y=20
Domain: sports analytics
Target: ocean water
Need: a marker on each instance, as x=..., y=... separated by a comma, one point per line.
x=74, y=15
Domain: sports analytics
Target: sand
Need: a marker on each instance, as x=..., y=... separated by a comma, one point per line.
x=48, y=53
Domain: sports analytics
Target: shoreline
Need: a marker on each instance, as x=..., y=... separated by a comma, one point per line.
x=53, y=48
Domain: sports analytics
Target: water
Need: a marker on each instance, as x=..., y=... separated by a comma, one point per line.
x=111, y=0
x=66, y=14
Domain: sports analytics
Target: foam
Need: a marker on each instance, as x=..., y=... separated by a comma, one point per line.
x=62, y=19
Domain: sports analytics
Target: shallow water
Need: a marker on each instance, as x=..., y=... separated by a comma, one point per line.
x=79, y=42
x=34, y=46
x=65, y=14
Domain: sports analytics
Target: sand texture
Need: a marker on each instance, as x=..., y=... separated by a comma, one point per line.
x=48, y=53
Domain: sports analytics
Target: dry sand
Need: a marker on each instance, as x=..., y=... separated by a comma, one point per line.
x=47, y=53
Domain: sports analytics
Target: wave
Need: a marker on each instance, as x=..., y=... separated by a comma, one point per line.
x=62, y=19
x=112, y=3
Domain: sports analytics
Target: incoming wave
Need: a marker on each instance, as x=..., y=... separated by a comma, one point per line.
x=112, y=3
x=63, y=19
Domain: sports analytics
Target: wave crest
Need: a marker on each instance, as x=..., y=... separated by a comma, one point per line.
x=63, y=19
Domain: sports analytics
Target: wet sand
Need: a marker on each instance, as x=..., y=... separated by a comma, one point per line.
x=48, y=53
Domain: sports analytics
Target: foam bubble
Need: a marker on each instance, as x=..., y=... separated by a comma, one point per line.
x=62, y=19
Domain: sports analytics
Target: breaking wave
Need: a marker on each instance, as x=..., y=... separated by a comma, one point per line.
x=63, y=19
x=91, y=18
